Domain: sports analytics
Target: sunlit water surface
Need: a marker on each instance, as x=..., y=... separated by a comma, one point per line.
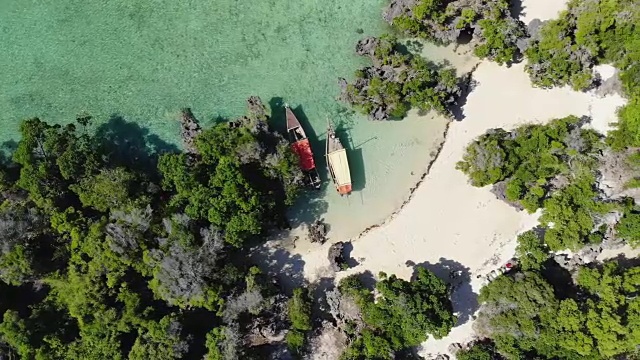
x=144, y=60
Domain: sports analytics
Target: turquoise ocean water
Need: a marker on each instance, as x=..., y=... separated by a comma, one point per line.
x=144, y=60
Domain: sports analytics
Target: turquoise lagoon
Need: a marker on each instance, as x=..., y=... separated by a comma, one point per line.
x=144, y=60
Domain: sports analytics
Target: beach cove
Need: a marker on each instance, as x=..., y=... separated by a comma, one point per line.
x=134, y=66
x=448, y=225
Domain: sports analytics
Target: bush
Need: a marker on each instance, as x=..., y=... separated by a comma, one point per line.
x=525, y=317
x=629, y=229
x=496, y=31
x=399, y=81
x=295, y=340
x=529, y=157
x=403, y=315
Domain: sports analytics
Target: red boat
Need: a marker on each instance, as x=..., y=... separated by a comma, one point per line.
x=301, y=146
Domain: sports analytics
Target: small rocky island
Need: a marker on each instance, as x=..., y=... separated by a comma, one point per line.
x=496, y=34
x=398, y=81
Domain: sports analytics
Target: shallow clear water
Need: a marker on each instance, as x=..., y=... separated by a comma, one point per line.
x=146, y=59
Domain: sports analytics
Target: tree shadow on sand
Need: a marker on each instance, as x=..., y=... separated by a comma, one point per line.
x=517, y=9
x=458, y=276
x=318, y=292
x=281, y=264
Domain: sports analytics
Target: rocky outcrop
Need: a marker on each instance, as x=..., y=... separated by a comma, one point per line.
x=379, y=92
x=190, y=129
x=344, y=310
x=615, y=173
x=328, y=343
x=272, y=326
x=611, y=86
x=398, y=8
x=256, y=108
x=367, y=46
x=318, y=232
x=461, y=21
x=336, y=256
x=498, y=189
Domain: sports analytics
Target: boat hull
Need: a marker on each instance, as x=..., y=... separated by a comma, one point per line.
x=338, y=163
x=302, y=148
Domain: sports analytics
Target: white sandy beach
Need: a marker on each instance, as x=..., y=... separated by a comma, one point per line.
x=447, y=221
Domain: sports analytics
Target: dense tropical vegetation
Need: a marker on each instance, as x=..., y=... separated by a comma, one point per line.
x=550, y=166
x=398, y=81
x=531, y=316
x=403, y=314
x=549, y=308
x=106, y=256
x=496, y=33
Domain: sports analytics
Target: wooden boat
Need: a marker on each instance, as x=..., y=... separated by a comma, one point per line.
x=301, y=146
x=338, y=163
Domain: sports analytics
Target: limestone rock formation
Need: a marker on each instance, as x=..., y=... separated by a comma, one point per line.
x=190, y=129
x=318, y=232
x=615, y=173
x=336, y=256
x=397, y=81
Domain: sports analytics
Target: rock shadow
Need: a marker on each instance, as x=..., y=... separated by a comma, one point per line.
x=625, y=262
x=467, y=85
x=458, y=276
x=367, y=279
x=465, y=37
x=279, y=263
x=560, y=280
x=7, y=149
x=347, y=249
x=131, y=145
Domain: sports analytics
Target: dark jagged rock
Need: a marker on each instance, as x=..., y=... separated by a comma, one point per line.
x=190, y=130
x=318, y=232
x=336, y=257
x=256, y=108
x=614, y=173
x=367, y=46
x=534, y=28
x=272, y=324
x=398, y=8
x=343, y=83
